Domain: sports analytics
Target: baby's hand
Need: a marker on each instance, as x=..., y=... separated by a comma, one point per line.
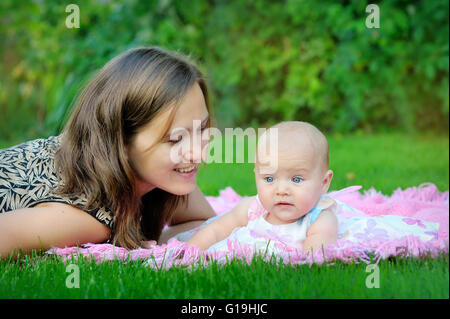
x=149, y=244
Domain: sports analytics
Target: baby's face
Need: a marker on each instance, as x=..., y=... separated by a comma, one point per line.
x=294, y=186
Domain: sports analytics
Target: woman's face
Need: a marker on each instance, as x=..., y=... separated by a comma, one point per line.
x=171, y=163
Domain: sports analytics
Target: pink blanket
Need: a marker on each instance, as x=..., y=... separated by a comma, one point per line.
x=424, y=203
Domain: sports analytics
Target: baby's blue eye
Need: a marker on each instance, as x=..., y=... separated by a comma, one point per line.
x=297, y=179
x=269, y=179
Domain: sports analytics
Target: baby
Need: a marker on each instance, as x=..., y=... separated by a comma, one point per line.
x=291, y=209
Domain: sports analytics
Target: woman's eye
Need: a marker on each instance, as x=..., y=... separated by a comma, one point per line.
x=297, y=179
x=175, y=141
x=269, y=179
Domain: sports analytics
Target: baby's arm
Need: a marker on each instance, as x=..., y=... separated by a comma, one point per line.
x=323, y=231
x=222, y=227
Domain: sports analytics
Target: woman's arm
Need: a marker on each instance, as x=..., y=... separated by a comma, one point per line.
x=171, y=231
x=197, y=208
x=222, y=227
x=40, y=228
x=188, y=216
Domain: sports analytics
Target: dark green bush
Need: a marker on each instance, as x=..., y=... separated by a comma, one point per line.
x=265, y=60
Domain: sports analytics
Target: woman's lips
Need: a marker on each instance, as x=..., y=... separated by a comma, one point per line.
x=187, y=172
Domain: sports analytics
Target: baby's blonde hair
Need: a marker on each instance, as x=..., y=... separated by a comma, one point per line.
x=315, y=136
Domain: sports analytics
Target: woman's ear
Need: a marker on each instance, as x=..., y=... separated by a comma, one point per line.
x=326, y=181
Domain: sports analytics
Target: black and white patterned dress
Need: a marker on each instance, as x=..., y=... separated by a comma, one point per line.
x=28, y=175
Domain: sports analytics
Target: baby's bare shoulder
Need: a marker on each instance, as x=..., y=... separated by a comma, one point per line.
x=326, y=222
x=327, y=203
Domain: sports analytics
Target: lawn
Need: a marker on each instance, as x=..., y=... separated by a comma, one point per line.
x=384, y=162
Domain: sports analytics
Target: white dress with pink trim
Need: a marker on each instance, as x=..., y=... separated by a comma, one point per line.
x=353, y=226
x=261, y=235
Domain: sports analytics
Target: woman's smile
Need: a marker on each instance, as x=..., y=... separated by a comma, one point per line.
x=187, y=172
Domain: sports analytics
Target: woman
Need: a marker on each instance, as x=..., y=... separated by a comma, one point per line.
x=110, y=175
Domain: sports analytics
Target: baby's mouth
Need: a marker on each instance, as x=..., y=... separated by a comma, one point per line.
x=284, y=204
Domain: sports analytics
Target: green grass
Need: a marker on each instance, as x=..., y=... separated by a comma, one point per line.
x=399, y=278
x=385, y=162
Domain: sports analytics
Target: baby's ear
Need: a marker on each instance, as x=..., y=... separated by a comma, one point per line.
x=326, y=181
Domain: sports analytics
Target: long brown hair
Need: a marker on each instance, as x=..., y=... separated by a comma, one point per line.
x=126, y=94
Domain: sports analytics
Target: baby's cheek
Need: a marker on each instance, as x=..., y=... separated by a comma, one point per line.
x=305, y=203
x=266, y=199
x=260, y=189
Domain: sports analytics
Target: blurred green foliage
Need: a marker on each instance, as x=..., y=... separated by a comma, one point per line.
x=265, y=60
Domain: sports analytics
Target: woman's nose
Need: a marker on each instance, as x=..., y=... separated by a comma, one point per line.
x=194, y=152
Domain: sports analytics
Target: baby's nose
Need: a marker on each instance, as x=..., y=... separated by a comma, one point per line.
x=282, y=193
x=282, y=189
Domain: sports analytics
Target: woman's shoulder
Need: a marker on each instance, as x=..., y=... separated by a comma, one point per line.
x=37, y=145
x=30, y=159
x=34, y=155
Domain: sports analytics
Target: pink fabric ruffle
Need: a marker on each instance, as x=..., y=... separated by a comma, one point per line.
x=424, y=202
